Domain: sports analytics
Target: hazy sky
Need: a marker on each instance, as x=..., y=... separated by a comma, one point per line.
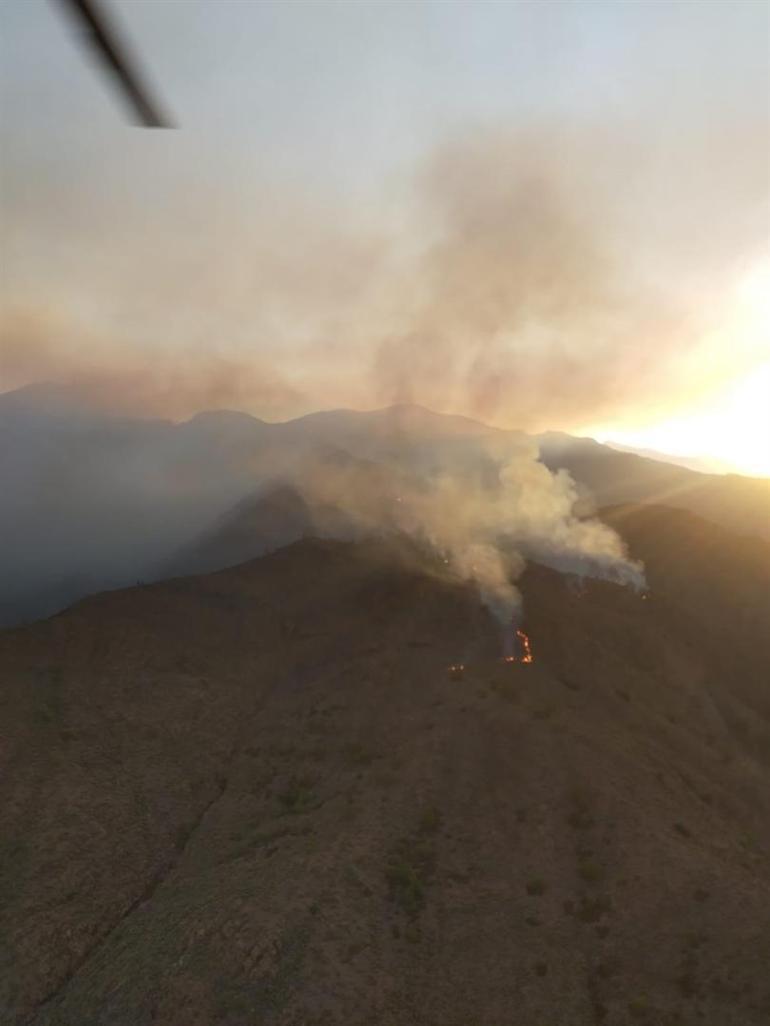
x=543, y=214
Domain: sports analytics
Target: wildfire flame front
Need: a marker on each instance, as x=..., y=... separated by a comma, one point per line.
x=518, y=646
x=526, y=648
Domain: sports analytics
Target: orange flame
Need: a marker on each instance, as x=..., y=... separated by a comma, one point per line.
x=526, y=648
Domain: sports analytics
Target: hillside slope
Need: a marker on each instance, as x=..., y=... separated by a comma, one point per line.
x=737, y=503
x=260, y=797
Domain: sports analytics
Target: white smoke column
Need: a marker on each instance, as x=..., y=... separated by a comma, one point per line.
x=484, y=564
x=538, y=515
x=484, y=507
x=487, y=529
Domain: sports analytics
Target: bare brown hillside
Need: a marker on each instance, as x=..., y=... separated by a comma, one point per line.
x=260, y=797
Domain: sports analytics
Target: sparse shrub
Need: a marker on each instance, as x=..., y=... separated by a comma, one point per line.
x=505, y=691
x=357, y=755
x=541, y=968
x=43, y=714
x=687, y=984
x=700, y=894
x=682, y=829
x=580, y=797
x=536, y=887
x=591, y=872
x=298, y=796
x=406, y=886
x=723, y=990
x=591, y=910
x=430, y=821
x=605, y=970
x=408, y=872
x=639, y=1008
x=749, y=843
x=580, y=819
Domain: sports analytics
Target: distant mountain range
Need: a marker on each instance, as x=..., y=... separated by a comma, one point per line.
x=93, y=501
x=703, y=464
x=734, y=501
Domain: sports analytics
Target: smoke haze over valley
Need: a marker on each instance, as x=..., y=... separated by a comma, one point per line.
x=97, y=501
x=115, y=498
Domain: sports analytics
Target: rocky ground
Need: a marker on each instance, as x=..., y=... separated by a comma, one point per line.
x=260, y=796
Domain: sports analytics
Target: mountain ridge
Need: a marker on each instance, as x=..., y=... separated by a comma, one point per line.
x=95, y=501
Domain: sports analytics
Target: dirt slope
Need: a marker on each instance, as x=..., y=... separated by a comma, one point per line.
x=259, y=797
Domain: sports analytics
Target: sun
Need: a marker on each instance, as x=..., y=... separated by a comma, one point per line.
x=739, y=429
x=731, y=426
x=732, y=430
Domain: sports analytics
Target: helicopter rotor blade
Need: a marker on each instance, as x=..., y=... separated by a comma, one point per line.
x=112, y=53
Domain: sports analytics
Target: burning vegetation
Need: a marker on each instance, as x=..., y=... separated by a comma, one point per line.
x=517, y=647
x=524, y=646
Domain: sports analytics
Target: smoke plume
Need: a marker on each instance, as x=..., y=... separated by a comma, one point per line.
x=539, y=278
x=547, y=277
x=483, y=508
x=99, y=501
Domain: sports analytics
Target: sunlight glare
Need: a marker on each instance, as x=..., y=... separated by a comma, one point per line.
x=734, y=429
